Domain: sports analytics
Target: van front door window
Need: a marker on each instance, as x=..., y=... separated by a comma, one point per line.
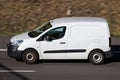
x=56, y=33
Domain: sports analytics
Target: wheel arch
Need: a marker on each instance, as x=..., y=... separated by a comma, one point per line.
x=94, y=50
x=31, y=49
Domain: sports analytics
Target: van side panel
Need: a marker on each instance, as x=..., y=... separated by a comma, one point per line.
x=85, y=38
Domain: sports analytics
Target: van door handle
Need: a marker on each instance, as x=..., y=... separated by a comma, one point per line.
x=62, y=42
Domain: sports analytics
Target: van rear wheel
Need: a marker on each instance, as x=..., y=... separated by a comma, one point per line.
x=30, y=56
x=96, y=57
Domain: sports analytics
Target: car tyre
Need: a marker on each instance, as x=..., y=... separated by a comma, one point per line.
x=30, y=56
x=97, y=57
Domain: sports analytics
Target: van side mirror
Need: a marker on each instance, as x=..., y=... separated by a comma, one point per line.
x=48, y=38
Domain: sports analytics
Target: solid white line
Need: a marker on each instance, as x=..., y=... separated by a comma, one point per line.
x=21, y=71
x=3, y=49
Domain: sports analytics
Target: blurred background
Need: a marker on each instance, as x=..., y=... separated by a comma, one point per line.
x=17, y=16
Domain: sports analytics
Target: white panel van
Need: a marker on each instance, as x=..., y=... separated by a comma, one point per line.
x=64, y=38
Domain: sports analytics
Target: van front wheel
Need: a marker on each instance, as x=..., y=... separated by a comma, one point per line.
x=30, y=56
x=96, y=57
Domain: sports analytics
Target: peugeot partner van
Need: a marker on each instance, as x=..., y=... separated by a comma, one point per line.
x=64, y=38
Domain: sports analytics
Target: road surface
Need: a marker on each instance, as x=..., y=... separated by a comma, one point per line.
x=11, y=69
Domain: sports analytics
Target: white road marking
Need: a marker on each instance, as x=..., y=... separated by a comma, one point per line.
x=21, y=71
x=3, y=50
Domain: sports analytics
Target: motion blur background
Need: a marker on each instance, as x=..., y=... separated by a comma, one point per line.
x=18, y=16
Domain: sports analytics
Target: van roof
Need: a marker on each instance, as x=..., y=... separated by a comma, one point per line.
x=67, y=20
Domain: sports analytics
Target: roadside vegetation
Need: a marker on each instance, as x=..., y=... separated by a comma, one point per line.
x=18, y=16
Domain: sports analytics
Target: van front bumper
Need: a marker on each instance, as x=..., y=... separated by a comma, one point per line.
x=13, y=52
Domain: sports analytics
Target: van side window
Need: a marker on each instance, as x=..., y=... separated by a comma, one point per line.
x=56, y=33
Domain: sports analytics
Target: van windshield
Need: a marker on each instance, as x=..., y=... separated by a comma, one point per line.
x=39, y=30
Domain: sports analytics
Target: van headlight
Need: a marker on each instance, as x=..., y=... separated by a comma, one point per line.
x=17, y=43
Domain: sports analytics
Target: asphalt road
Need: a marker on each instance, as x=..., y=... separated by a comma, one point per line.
x=11, y=69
